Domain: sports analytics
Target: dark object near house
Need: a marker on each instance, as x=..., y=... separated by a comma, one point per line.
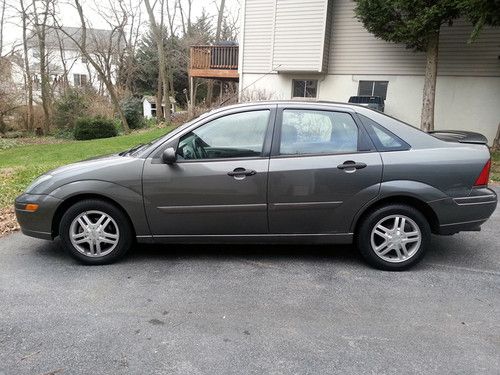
x=373, y=102
x=296, y=172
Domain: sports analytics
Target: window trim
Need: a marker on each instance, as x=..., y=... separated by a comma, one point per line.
x=365, y=144
x=266, y=148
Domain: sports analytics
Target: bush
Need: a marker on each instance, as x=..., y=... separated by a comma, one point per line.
x=132, y=109
x=94, y=127
x=69, y=107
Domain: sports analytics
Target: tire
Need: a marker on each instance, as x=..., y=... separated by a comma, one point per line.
x=95, y=232
x=393, y=237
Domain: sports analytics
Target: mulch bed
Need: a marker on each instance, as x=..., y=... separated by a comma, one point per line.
x=8, y=222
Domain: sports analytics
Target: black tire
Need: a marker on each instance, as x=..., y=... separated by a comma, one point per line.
x=125, y=237
x=364, y=237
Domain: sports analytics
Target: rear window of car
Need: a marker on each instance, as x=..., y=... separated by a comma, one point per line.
x=383, y=139
x=365, y=99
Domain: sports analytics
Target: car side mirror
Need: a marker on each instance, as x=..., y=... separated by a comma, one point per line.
x=169, y=156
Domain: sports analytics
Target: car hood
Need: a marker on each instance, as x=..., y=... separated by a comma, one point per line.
x=89, y=164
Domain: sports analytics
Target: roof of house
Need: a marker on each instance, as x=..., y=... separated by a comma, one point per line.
x=68, y=37
x=152, y=99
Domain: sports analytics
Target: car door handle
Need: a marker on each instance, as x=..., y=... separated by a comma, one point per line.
x=240, y=172
x=350, y=164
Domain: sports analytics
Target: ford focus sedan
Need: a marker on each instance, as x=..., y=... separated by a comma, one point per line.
x=271, y=172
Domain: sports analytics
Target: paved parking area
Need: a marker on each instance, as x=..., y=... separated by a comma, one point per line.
x=251, y=310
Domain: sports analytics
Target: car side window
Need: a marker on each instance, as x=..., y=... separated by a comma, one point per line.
x=384, y=140
x=238, y=135
x=317, y=132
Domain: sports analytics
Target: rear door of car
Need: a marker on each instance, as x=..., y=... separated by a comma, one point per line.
x=323, y=169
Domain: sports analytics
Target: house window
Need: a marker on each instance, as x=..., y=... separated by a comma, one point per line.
x=373, y=88
x=84, y=60
x=79, y=79
x=305, y=88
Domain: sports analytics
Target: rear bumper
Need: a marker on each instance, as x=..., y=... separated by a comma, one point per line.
x=37, y=224
x=465, y=213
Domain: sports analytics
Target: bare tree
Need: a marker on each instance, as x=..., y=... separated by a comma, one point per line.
x=2, y=21
x=28, y=79
x=41, y=10
x=158, y=33
x=185, y=14
x=100, y=60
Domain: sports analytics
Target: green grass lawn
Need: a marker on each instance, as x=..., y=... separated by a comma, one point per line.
x=22, y=164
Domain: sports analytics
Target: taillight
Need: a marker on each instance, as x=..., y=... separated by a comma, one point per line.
x=484, y=177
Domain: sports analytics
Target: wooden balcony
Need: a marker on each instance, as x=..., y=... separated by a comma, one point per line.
x=216, y=62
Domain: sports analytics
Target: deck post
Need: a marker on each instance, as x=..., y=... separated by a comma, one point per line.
x=191, y=97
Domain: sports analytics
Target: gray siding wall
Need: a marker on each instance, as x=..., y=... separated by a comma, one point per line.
x=293, y=36
x=355, y=51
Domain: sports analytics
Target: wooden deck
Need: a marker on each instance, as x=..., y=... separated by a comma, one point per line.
x=216, y=62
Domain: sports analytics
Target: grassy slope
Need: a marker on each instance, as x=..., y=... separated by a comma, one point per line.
x=495, y=171
x=20, y=165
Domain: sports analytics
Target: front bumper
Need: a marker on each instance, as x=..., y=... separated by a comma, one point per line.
x=465, y=213
x=39, y=223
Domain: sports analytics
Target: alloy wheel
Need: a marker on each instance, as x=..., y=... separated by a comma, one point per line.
x=94, y=233
x=396, y=238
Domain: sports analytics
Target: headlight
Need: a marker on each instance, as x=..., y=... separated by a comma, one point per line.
x=38, y=181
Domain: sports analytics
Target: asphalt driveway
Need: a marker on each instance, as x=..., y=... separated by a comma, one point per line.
x=251, y=310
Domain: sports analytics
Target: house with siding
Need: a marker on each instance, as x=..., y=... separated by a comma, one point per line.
x=317, y=49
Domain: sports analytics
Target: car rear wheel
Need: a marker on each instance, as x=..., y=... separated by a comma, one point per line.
x=393, y=237
x=95, y=232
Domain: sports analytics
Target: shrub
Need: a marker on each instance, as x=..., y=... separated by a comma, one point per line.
x=132, y=109
x=69, y=107
x=94, y=127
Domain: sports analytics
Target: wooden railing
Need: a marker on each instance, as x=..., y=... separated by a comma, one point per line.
x=214, y=57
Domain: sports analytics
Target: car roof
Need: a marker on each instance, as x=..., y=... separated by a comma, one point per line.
x=288, y=102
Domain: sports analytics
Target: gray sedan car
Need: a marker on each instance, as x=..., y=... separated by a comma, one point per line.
x=271, y=172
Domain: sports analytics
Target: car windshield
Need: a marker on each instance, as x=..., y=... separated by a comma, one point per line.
x=143, y=146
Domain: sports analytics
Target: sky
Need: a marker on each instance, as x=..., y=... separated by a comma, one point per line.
x=95, y=12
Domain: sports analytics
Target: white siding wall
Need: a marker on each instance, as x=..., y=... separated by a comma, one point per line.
x=299, y=35
x=258, y=35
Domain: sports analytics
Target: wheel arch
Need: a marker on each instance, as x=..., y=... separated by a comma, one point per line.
x=424, y=208
x=70, y=201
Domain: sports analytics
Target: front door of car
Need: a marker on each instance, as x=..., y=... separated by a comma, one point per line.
x=323, y=169
x=218, y=185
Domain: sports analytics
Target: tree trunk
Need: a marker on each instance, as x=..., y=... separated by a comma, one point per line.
x=45, y=84
x=27, y=72
x=429, y=97
x=159, y=99
x=496, y=141
x=162, y=60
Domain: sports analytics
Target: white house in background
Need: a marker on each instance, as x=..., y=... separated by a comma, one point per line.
x=65, y=56
x=317, y=49
x=149, y=106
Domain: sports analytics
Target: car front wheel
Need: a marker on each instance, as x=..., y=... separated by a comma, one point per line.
x=393, y=237
x=95, y=232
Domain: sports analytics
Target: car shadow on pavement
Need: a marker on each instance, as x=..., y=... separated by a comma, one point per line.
x=339, y=253
x=446, y=251
x=163, y=253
